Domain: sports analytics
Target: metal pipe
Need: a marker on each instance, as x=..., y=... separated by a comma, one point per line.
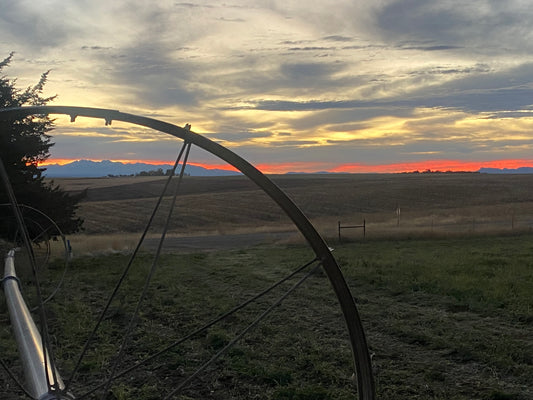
x=28, y=337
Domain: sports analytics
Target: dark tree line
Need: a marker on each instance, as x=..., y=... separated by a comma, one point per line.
x=24, y=144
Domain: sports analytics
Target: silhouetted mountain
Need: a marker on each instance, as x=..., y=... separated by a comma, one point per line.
x=95, y=169
x=521, y=170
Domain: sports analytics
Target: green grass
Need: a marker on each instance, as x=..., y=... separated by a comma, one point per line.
x=480, y=274
x=445, y=319
x=449, y=318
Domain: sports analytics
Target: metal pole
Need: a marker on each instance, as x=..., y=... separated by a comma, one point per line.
x=27, y=336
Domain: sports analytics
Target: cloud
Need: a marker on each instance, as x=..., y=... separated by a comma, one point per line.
x=338, y=38
x=372, y=79
x=24, y=24
x=474, y=89
x=432, y=48
x=486, y=26
x=311, y=48
x=296, y=74
x=95, y=48
x=192, y=5
x=510, y=115
x=236, y=137
x=224, y=19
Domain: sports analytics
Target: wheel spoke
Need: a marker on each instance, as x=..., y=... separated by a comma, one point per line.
x=148, y=279
x=204, y=327
x=125, y=271
x=242, y=333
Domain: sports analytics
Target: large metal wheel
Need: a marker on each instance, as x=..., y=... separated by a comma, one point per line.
x=361, y=358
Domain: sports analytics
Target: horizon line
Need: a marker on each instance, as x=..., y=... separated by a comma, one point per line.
x=310, y=167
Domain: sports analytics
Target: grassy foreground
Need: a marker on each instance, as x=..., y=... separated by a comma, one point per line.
x=445, y=319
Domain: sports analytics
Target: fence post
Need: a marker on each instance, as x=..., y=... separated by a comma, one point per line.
x=398, y=215
x=339, y=227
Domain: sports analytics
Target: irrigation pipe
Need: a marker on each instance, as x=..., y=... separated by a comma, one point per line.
x=37, y=368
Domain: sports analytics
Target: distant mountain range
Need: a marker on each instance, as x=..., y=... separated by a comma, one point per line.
x=95, y=169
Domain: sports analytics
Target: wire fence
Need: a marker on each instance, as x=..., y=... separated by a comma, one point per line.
x=433, y=226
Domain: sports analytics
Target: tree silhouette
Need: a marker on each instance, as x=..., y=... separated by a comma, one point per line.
x=24, y=144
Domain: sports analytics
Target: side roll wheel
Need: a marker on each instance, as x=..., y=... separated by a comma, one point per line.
x=324, y=257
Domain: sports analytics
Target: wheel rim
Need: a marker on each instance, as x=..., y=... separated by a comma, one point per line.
x=362, y=362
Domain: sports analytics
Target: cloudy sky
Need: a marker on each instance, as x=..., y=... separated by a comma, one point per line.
x=292, y=85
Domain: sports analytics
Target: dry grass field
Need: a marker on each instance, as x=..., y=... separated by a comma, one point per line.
x=430, y=204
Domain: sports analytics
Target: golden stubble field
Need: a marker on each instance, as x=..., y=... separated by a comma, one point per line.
x=392, y=205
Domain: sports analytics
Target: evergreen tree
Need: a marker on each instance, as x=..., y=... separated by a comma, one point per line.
x=24, y=144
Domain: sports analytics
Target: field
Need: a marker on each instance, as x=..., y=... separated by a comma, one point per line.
x=430, y=204
x=444, y=290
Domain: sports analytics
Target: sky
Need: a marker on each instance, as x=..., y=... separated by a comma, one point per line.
x=292, y=85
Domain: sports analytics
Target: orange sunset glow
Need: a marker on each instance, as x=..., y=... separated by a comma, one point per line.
x=434, y=165
x=65, y=161
x=283, y=168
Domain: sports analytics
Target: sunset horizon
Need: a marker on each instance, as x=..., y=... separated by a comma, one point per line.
x=284, y=168
x=376, y=87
